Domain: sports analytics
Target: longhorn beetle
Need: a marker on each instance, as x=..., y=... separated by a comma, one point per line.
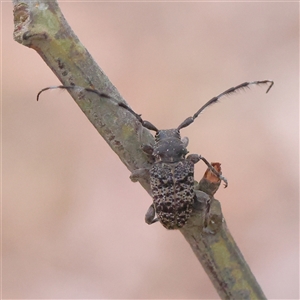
x=172, y=173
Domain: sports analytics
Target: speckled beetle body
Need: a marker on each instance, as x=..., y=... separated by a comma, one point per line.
x=172, y=186
x=171, y=179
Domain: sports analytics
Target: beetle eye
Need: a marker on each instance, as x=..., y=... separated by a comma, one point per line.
x=157, y=136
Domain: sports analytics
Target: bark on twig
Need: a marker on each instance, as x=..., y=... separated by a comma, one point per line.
x=40, y=25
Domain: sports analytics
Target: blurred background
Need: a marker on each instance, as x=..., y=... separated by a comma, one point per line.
x=73, y=222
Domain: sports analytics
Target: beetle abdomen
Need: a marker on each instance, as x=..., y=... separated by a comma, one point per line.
x=172, y=187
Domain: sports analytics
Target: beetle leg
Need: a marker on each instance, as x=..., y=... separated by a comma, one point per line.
x=148, y=149
x=139, y=174
x=214, y=171
x=195, y=158
x=150, y=215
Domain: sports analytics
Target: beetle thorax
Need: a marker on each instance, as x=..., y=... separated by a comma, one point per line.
x=168, y=146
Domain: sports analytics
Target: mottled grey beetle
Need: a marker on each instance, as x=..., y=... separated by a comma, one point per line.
x=172, y=173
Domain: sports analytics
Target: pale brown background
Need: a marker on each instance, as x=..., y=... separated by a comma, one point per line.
x=73, y=223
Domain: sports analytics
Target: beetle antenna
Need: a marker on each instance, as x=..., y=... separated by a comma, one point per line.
x=232, y=90
x=70, y=88
x=144, y=123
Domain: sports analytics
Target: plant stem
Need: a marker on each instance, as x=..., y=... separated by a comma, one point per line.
x=40, y=25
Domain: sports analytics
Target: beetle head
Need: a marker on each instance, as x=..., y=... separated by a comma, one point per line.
x=168, y=146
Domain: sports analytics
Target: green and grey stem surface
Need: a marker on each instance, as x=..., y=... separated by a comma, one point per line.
x=41, y=26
